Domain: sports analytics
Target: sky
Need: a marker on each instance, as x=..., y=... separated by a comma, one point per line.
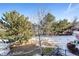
x=59, y=10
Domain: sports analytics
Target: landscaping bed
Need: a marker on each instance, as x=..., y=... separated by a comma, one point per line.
x=72, y=47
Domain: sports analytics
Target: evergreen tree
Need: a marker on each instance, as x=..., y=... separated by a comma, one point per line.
x=19, y=27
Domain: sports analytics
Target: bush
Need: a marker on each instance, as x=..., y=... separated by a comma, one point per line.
x=47, y=51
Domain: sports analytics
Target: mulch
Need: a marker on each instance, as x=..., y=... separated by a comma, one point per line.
x=24, y=48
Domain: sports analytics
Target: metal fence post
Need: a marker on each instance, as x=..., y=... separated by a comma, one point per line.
x=65, y=52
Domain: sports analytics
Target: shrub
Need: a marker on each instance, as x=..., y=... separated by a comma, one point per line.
x=47, y=51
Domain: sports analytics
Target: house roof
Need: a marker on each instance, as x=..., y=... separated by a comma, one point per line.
x=76, y=25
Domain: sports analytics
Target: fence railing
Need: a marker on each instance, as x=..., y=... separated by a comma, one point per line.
x=57, y=52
